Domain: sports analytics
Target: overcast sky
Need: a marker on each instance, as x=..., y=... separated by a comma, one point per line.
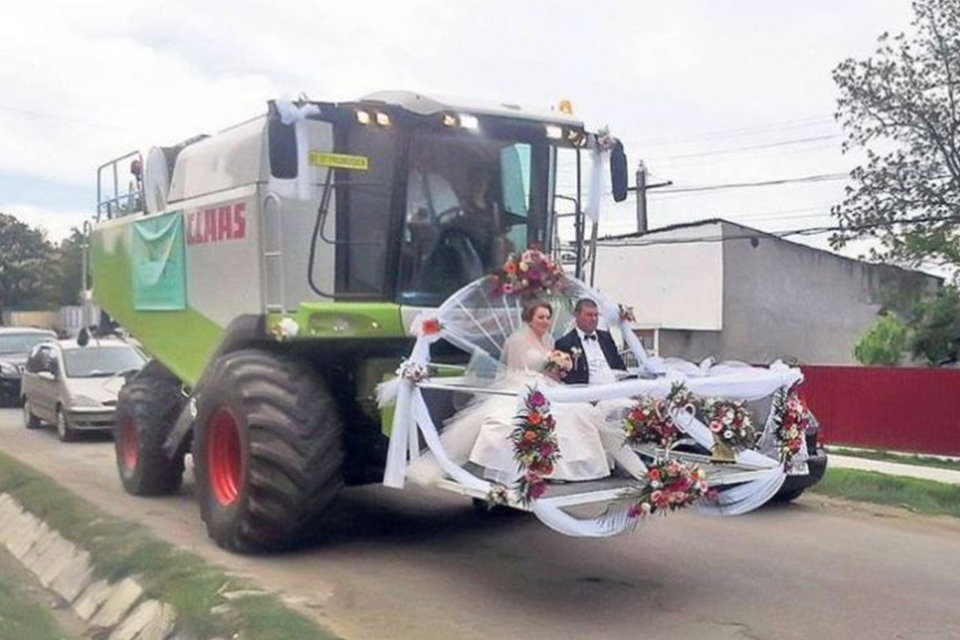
x=706, y=92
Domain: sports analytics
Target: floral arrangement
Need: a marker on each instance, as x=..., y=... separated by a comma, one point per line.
x=413, y=371
x=532, y=273
x=605, y=141
x=648, y=422
x=497, y=496
x=559, y=363
x=534, y=445
x=431, y=327
x=682, y=398
x=792, y=419
x=627, y=314
x=731, y=425
x=671, y=485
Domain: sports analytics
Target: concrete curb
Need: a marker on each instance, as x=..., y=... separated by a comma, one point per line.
x=118, y=609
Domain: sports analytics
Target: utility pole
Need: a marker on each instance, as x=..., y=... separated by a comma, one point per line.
x=641, y=188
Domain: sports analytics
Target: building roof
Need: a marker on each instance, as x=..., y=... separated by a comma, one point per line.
x=751, y=232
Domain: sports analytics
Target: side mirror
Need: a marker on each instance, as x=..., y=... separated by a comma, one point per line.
x=618, y=172
x=83, y=338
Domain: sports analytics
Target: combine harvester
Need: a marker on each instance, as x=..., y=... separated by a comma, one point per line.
x=280, y=270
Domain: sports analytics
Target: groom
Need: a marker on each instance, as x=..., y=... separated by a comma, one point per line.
x=594, y=353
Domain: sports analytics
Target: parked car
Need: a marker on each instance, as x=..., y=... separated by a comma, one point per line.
x=15, y=345
x=75, y=387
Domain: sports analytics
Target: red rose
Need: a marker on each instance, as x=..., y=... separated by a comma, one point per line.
x=537, y=490
x=534, y=418
x=431, y=326
x=529, y=435
x=537, y=399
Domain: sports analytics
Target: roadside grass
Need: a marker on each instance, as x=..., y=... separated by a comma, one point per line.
x=20, y=617
x=121, y=548
x=885, y=456
x=920, y=496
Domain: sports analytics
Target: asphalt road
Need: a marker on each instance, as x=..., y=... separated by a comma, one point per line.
x=421, y=565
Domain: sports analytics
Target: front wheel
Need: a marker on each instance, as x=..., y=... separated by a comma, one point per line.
x=64, y=431
x=267, y=450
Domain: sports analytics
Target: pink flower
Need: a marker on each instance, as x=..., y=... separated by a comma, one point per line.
x=537, y=489
x=537, y=399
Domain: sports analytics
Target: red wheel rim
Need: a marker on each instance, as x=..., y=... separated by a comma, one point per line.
x=224, y=459
x=129, y=447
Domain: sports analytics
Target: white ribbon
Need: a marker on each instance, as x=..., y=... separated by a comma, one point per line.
x=599, y=159
x=297, y=116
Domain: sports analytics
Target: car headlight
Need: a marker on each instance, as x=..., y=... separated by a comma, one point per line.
x=84, y=401
x=8, y=369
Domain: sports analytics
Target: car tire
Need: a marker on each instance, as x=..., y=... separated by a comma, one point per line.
x=30, y=421
x=267, y=451
x=147, y=409
x=64, y=431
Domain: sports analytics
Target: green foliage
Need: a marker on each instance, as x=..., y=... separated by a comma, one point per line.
x=27, y=265
x=936, y=328
x=885, y=343
x=35, y=273
x=901, y=107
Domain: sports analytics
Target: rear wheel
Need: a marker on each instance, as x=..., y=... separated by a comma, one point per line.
x=147, y=410
x=64, y=431
x=30, y=421
x=267, y=450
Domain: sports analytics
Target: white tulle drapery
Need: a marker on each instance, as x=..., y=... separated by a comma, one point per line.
x=479, y=324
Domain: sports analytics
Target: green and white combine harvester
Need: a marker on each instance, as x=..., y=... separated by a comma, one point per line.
x=273, y=272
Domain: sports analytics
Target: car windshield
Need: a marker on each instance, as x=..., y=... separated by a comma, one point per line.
x=93, y=361
x=21, y=342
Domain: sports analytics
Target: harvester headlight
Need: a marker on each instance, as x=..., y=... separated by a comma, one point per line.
x=363, y=117
x=383, y=119
x=554, y=132
x=469, y=122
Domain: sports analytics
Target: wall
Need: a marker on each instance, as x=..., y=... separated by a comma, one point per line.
x=38, y=319
x=674, y=286
x=787, y=300
x=896, y=408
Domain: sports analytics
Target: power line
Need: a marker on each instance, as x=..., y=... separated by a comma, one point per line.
x=737, y=131
x=823, y=177
x=770, y=145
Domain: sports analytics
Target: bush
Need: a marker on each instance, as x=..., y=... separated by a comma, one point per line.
x=885, y=343
x=936, y=327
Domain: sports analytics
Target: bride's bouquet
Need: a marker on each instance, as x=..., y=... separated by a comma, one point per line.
x=559, y=363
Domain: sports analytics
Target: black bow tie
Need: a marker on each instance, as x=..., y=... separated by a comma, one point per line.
x=591, y=336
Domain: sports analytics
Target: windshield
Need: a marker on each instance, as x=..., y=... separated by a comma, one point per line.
x=21, y=342
x=93, y=361
x=471, y=201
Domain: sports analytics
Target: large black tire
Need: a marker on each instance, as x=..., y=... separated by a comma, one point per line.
x=64, y=431
x=267, y=450
x=147, y=409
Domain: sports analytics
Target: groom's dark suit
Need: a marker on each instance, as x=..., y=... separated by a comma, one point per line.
x=581, y=369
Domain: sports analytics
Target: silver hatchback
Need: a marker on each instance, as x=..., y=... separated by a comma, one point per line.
x=76, y=387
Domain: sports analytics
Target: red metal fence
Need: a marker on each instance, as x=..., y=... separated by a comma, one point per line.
x=898, y=408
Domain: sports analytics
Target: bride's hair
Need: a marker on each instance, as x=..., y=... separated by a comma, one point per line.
x=530, y=308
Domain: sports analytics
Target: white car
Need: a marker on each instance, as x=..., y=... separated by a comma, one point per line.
x=76, y=387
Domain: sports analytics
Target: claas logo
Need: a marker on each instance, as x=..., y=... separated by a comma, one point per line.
x=227, y=222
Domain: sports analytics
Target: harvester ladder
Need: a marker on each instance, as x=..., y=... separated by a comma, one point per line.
x=273, y=255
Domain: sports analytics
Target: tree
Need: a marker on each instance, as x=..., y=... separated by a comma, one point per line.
x=70, y=262
x=936, y=327
x=885, y=343
x=28, y=268
x=901, y=107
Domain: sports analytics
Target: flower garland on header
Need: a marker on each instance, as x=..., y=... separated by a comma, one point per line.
x=532, y=273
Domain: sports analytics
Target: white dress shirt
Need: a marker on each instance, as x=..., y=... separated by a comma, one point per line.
x=600, y=371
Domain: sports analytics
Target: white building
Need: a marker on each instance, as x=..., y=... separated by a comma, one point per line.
x=717, y=288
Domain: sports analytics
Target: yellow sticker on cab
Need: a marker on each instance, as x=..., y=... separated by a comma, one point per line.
x=338, y=161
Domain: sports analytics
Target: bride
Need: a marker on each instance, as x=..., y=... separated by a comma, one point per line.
x=481, y=432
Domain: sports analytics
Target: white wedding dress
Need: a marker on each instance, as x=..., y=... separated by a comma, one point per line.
x=481, y=431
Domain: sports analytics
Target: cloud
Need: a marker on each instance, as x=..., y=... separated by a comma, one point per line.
x=57, y=224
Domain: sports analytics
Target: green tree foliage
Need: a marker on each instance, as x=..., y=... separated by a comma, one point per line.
x=70, y=263
x=885, y=343
x=936, y=328
x=28, y=266
x=901, y=107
